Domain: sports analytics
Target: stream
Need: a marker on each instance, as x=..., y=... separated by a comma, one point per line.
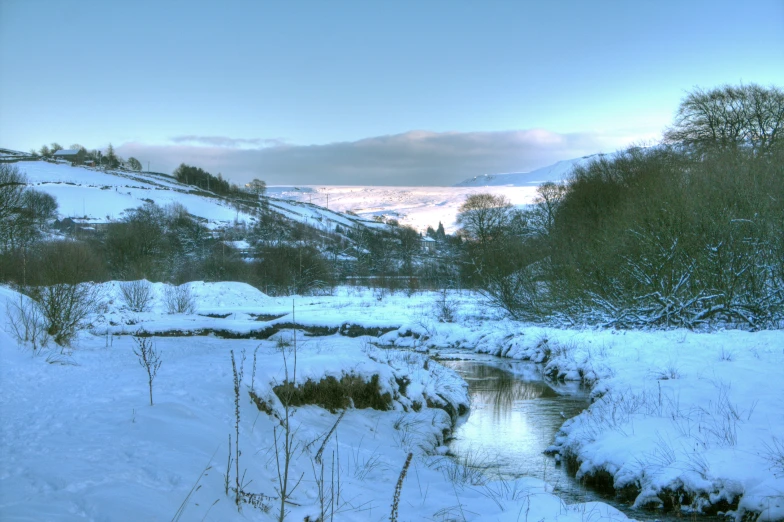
x=515, y=414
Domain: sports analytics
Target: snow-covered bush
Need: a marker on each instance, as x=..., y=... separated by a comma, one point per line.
x=26, y=323
x=445, y=307
x=137, y=295
x=64, y=307
x=179, y=300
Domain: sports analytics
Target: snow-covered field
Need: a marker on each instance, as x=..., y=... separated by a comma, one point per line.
x=698, y=412
x=419, y=207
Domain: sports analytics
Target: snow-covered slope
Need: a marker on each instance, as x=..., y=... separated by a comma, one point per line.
x=419, y=207
x=103, y=196
x=556, y=172
x=106, y=196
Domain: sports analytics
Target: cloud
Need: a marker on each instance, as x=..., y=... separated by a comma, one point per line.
x=411, y=158
x=225, y=141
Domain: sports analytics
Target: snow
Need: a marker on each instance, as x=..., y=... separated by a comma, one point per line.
x=106, y=196
x=556, y=172
x=419, y=207
x=319, y=217
x=699, y=413
x=80, y=441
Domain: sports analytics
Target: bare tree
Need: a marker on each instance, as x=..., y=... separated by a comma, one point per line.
x=149, y=357
x=484, y=217
x=12, y=187
x=257, y=187
x=729, y=116
x=548, y=197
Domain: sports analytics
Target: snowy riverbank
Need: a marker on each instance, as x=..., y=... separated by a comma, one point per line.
x=681, y=420
x=80, y=441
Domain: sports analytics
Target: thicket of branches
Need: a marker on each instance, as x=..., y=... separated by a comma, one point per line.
x=23, y=211
x=660, y=237
x=675, y=235
x=167, y=244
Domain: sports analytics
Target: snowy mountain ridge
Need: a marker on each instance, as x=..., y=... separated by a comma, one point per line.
x=558, y=171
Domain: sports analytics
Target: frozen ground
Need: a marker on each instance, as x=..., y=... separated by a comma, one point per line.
x=700, y=413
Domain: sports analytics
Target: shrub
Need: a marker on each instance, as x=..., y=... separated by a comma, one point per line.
x=64, y=307
x=179, y=300
x=149, y=357
x=26, y=323
x=334, y=394
x=445, y=307
x=286, y=270
x=137, y=295
x=70, y=262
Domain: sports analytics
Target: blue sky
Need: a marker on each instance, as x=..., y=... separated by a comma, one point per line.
x=425, y=92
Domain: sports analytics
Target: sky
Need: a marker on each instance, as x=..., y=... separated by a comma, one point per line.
x=374, y=93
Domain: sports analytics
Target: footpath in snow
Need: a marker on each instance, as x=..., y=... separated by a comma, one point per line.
x=676, y=415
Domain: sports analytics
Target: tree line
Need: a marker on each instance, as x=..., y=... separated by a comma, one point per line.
x=686, y=233
x=108, y=159
x=168, y=244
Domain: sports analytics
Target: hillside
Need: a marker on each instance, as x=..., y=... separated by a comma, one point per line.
x=419, y=207
x=558, y=171
x=105, y=196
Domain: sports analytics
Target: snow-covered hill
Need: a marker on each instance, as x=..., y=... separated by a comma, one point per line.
x=418, y=207
x=104, y=196
x=556, y=172
x=101, y=196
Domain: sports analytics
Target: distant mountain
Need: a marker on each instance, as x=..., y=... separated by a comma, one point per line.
x=555, y=172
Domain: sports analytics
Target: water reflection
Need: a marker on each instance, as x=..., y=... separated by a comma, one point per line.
x=514, y=417
x=499, y=389
x=514, y=414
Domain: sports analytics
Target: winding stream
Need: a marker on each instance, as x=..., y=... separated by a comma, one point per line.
x=514, y=417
